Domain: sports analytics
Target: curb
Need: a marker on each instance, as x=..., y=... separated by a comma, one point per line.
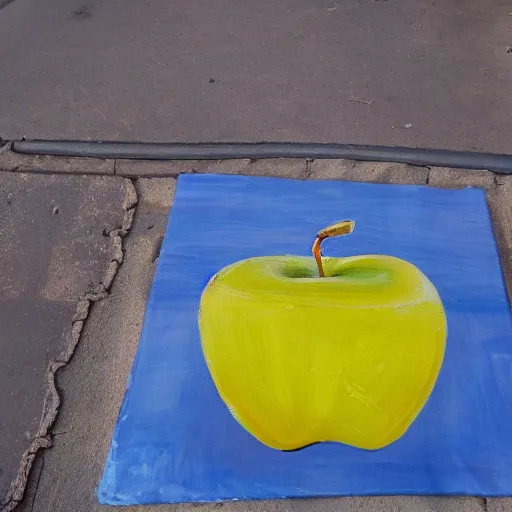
x=262, y=150
x=17, y=162
x=298, y=168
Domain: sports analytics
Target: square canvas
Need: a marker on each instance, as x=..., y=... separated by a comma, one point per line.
x=176, y=440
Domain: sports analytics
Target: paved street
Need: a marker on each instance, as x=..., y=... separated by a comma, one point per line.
x=393, y=72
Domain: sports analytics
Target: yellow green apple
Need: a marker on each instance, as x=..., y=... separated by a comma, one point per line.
x=304, y=350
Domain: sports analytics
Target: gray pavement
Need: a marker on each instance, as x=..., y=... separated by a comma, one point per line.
x=423, y=73
x=53, y=251
x=93, y=383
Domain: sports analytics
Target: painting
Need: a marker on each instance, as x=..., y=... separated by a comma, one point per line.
x=307, y=350
x=288, y=353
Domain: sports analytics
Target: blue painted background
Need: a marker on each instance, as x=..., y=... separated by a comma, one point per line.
x=176, y=441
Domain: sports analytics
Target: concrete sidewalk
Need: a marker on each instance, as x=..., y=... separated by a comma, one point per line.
x=53, y=251
x=92, y=383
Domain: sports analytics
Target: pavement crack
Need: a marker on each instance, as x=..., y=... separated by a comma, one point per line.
x=60, y=433
x=52, y=401
x=157, y=249
x=117, y=243
x=82, y=309
x=309, y=170
x=37, y=483
x=110, y=275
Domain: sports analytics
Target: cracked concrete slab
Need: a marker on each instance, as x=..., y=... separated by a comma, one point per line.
x=499, y=199
x=460, y=178
x=377, y=172
x=96, y=377
x=53, y=251
x=287, y=167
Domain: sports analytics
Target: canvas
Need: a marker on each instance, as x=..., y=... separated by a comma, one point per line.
x=176, y=438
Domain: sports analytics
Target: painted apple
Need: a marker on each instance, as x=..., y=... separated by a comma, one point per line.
x=337, y=349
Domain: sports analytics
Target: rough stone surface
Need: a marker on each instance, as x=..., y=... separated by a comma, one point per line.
x=282, y=167
x=95, y=381
x=501, y=179
x=499, y=504
x=158, y=168
x=376, y=172
x=52, y=250
x=499, y=199
x=158, y=194
x=460, y=178
x=10, y=161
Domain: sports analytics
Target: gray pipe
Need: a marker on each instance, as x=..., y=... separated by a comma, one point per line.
x=215, y=151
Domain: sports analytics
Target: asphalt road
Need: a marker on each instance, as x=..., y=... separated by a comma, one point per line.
x=422, y=73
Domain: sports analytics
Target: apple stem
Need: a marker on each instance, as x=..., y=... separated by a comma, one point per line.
x=344, y=227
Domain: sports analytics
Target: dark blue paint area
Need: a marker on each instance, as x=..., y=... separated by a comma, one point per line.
x=176, y=441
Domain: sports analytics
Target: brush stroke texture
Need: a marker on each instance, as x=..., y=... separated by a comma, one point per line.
x=350, y=357
x=176, y=441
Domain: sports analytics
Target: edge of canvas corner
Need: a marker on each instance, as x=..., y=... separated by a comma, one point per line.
x=107, y=491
